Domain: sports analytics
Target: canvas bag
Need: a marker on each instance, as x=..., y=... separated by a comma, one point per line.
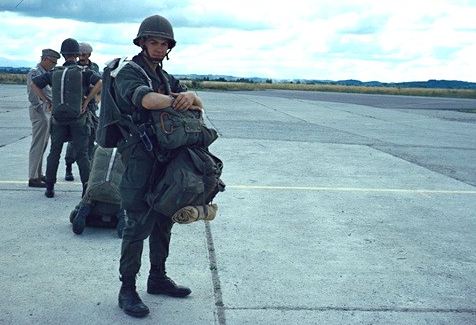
x=67, y=92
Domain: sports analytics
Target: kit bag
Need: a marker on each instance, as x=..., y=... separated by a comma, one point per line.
x=109, y=131
x=174, y=129
x=191, y=178
x=105, y=177
x=67, y=89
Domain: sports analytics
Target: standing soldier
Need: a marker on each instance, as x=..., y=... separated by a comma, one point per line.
x=68, y=127
x=40, y=119
x=135, y=97
x=85, y=51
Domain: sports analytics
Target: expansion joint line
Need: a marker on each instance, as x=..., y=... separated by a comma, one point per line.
x=220, y=309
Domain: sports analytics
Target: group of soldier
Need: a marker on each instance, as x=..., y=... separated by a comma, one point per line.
x=136, y=95
x=80, y=132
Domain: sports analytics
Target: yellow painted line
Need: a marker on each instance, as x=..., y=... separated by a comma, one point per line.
x=26, y=182
x=310, y=188
x=346, y=189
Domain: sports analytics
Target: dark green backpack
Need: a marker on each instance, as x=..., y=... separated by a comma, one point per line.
x=191, y=178
x=109, y=131
x=67, y=89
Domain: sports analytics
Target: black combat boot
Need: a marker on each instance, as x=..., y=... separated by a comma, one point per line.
x=159, y=283
x=68, y=176
x=79, y=222
x=50, y=189
x=129, y=299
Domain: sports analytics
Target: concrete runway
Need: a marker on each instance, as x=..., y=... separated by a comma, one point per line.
x=335, y=213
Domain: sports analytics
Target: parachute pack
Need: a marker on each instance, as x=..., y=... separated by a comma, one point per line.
x=67, y=89
x=101, y=203
x=192, y=178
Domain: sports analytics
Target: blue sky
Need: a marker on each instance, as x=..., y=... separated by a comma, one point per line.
x=368, y=40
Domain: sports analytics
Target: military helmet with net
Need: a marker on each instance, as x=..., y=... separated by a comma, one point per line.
x=70, y=46
x=156, y=26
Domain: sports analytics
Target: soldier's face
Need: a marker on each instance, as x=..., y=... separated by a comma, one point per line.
x=84, y=57
x=156, y=47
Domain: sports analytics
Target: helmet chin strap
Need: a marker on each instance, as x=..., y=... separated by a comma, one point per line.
x=154, y=61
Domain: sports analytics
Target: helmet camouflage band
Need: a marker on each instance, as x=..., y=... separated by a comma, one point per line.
x=156, y=26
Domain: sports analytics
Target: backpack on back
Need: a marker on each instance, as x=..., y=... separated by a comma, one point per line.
x=109, y=132
x=67, y=88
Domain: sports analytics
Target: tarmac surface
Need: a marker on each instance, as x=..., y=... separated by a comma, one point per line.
x=334, y=213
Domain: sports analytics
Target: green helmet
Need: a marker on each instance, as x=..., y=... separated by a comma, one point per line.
x=70, y=46
x=156, y=26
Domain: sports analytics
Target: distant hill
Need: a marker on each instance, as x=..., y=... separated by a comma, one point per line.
x=432, y=83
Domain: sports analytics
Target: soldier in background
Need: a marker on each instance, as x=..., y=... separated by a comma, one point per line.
x=85, y=51
x=76, y=129
x=40, y=119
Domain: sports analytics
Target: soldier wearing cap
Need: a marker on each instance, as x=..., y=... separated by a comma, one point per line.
x=85, y=51
x=40, y=119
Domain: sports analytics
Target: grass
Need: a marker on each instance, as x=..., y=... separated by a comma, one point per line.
x=10, y=78
x=431, y=92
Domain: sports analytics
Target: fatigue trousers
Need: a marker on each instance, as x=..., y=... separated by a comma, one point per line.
x=140, y=221
x=40, y=133
x=92, y=122
x=76, y=131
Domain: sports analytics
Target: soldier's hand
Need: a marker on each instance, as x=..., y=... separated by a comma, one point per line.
x=84, y=107
x=183, y=101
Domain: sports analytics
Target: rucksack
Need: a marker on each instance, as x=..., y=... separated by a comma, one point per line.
x=105, y=177
x=108, y=132
x=191, y=178
x=67, y=89
x=174, y=129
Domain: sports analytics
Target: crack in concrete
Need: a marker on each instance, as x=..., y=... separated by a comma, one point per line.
x=220, y=309
x=361, y=309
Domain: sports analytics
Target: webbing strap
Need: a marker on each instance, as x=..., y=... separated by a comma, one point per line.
x=111, y=163
x=63, y=77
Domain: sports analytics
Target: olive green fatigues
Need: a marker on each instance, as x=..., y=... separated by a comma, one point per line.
x=77, y=130
x=130, y=86
x=92, y=122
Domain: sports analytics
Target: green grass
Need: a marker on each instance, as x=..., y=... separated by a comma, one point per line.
x=9, y=78
x=432, y=92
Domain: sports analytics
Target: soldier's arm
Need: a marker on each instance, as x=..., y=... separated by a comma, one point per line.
x=153, y=100
x=92, y=95
x=37, y=85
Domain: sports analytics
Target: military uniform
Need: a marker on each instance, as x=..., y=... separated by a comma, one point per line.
x=40, y=122
x=92, y=122
x=130, y=87
x=76, y=130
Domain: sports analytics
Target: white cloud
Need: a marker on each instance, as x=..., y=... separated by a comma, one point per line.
x=313, y=39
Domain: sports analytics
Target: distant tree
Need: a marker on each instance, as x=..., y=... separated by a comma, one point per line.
x=269, y=81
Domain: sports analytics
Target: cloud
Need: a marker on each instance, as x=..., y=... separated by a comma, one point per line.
x=312, y=39
x=182, y=13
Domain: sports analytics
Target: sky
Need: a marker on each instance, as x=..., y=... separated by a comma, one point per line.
x=367, y=40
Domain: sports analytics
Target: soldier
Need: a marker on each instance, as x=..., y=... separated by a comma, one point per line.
x=135, y=97
x=40, y=119
x=76, y=129
x=85, y=51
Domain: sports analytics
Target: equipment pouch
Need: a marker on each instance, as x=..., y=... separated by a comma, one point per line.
x=174, y=129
